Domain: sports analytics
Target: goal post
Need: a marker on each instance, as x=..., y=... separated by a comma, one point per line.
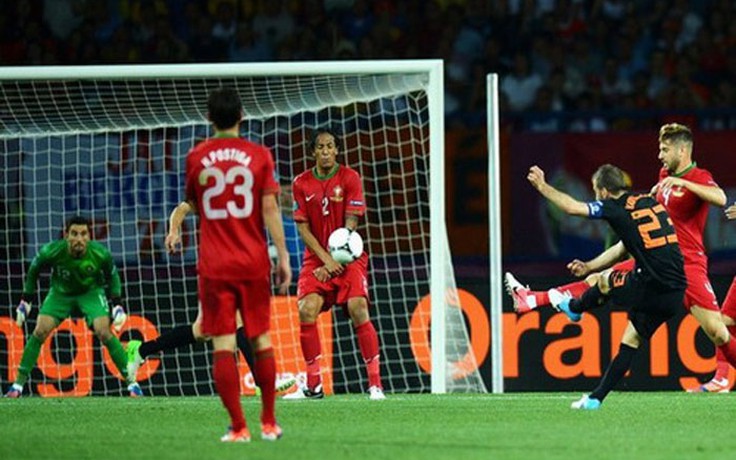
x=495, y=246
x=109, y=142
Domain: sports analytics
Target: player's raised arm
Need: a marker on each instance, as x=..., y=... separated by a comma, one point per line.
x=275, y=226
x=562, y=200
x=173, y=237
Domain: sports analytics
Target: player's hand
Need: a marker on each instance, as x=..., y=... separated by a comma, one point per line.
x=578, y=268
x=536, y=177
x=172, y=242
x=653, y=190
x=731, y=212
x=333, y=268
x=22, y=312
x=119, y=317
x=669, y=182
x=321, y=274
x=283, y=275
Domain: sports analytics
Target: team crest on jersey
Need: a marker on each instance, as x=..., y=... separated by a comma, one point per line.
x=337, y=194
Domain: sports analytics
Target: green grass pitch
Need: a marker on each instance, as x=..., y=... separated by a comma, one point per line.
x=630, y=425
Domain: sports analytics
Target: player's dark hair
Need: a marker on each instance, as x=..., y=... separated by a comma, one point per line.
x=675, y=132
x=224, y=107
x=610, y=178
x=325, y=130
x=77, y=220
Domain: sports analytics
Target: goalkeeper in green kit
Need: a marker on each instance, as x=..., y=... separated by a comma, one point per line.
x=81, y=270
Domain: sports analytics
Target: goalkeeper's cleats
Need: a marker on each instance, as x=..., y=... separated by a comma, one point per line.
x=119, y=317
x=15, y=391
x=271, y=432
x=586, y=403
x=561, y=302
x=236, y=436
x=22, y=312
x=134, y=358
x=376, y=393
x=135, y=390
x=519, y=293
x=721, y=385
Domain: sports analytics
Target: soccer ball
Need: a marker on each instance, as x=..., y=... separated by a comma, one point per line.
x=345, y=246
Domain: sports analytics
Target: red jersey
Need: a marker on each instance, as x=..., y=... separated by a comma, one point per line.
x=688, y=213
x=324, y=202
x=226, y=177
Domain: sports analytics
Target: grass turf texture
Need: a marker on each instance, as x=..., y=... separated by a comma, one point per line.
x=513, y=426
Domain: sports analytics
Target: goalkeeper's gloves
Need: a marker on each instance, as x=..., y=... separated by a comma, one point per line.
x=119, y=317
x=22, y=312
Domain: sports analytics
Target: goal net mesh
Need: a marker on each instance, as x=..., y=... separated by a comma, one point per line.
x=113, y=150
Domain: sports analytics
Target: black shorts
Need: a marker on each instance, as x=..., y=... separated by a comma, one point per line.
x=649, y=303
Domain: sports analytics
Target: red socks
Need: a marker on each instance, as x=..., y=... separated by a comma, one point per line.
x=311, y=350
x=368, y=342
x=266, y=371
x=227, y=384
x=575, y=289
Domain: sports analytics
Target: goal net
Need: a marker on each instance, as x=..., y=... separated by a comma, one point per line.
x=109, y=143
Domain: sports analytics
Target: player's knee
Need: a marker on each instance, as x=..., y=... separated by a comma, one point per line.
x=103, y=334
x=358, y=310
x=197, y=332
x=308, y=311
x=604, y=282
x=41, y=333
x=592, y=279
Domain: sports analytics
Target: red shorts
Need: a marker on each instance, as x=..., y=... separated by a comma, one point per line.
x=220, y=299
x=353, y=282
x=699, y=291
x=729, y=305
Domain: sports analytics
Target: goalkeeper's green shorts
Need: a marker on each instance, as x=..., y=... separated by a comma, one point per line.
x=92, y=304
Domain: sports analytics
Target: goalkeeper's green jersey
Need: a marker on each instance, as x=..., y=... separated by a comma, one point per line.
x=74, y=276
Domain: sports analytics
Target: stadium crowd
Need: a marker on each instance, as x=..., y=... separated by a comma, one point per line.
x=557, y=59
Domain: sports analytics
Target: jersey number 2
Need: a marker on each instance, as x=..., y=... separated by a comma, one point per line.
x=244, y=190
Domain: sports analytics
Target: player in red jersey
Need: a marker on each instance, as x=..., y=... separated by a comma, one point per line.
x=230, y=183
x=327, y=197
x=728, y=309
x=686, y=191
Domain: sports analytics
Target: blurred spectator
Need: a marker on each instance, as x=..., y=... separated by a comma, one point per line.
x=521, y=85
x=358, y=21
x=247, y=47
x=273, y=23
x=62, y=16
x=224, y=27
